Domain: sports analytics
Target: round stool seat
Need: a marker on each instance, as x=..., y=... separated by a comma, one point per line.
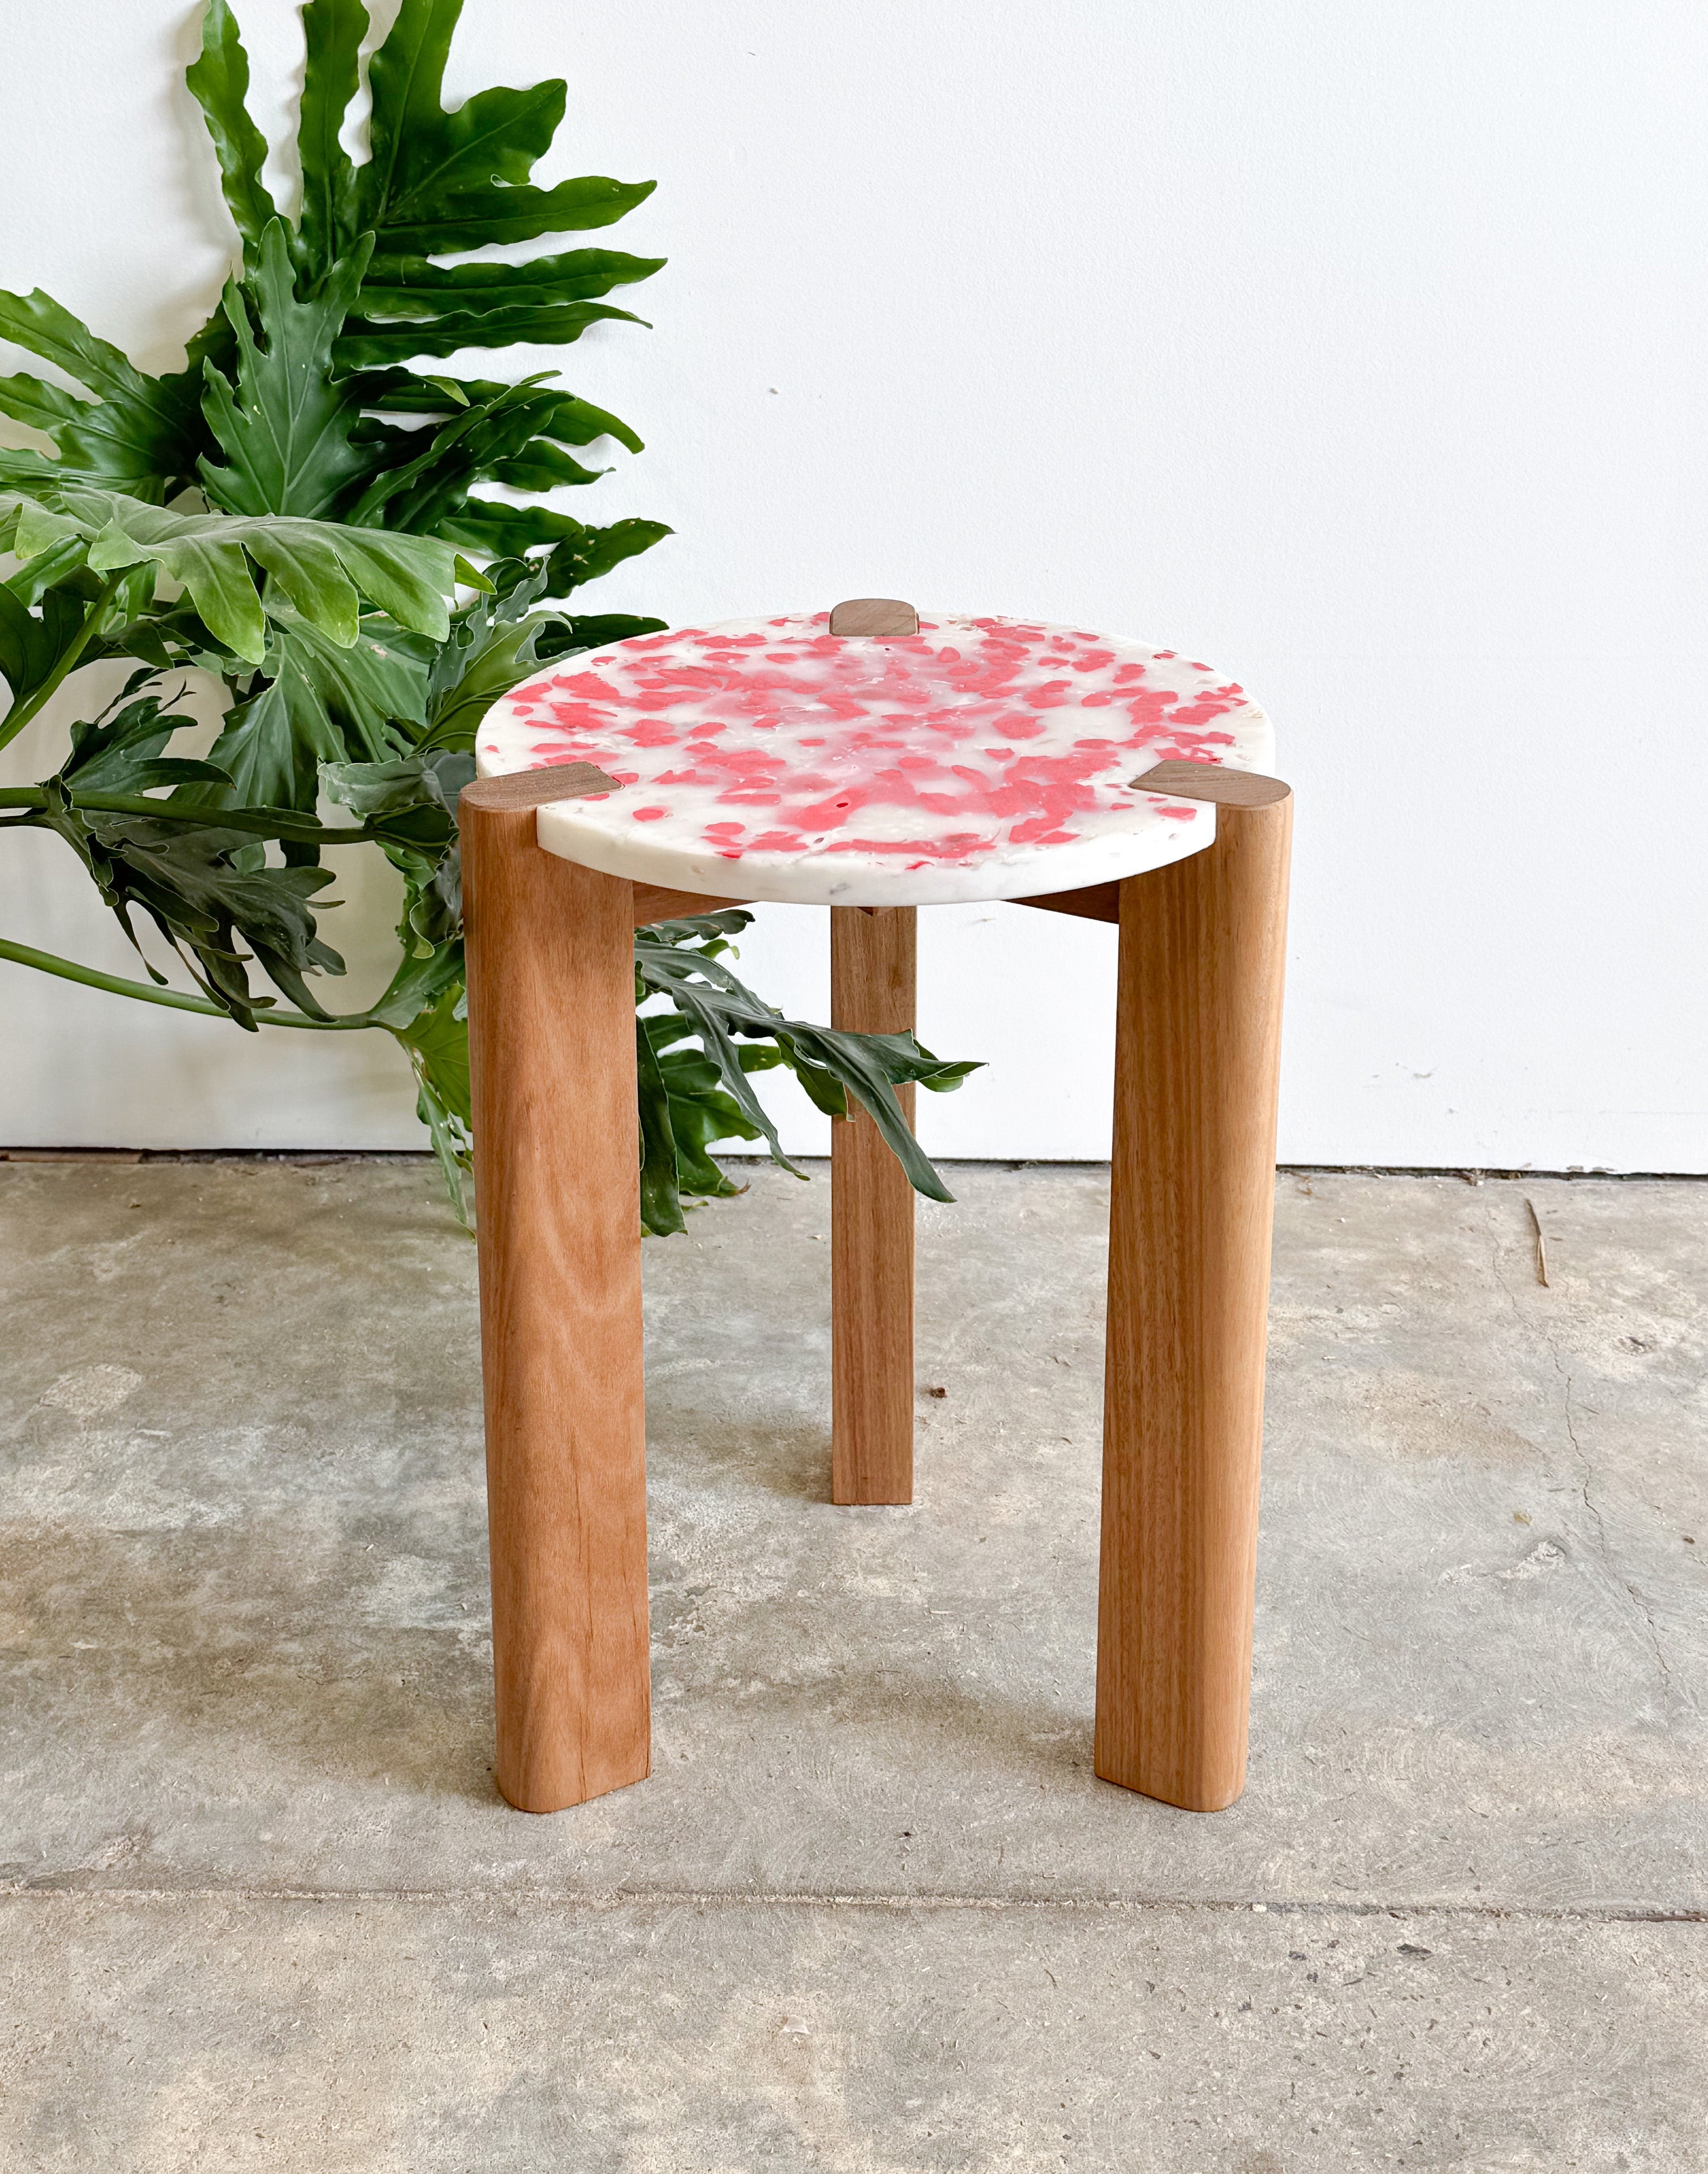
x=978, y=759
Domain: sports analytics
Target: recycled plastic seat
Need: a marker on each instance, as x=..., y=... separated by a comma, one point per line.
x=873, y=760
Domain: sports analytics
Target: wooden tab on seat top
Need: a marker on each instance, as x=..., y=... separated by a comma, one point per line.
x=874, y=615
x=1212, y=781
x=535, y=789
x=1222, y=786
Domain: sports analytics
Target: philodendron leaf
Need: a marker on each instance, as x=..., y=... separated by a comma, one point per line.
x=440, y=182
x=410, y=306
x=440, y=1040
x=333, y=32
x=367, y=346
x=284, y=429
x=471, y=218
x=689, y=1114
x=375, y=788
x=406, y=290
x=318, y=704
x=832, y=1066
x=576, y=554
x=139, y=434
x=429, y=471
x=660, y=1200
x=274, y=743
x=437, y=1041
x=437, y=182
x=210, y=565
x=316, y=565
x=562, y=636
x=469, y=677
x=201, y=889
x=560, y=416
x=31, y=530
x=31, y=647
x=219, y=81
x=122, y=752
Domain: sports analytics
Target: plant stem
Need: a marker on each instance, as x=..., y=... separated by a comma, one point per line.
x=26, y=954
x=18, y=716
x=265, y=822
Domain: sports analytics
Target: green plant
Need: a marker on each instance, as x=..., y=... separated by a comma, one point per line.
x=299, y=514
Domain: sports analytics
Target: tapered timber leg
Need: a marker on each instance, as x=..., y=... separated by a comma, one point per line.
x=1197, y=1047
x=872, y=992
x=551, y=1016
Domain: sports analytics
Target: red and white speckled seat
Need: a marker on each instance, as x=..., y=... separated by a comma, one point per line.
x=873, y=762
x=977, y=759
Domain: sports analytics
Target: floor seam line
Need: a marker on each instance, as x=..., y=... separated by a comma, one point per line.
x=618, y=1898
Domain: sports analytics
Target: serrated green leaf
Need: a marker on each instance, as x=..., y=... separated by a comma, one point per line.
x=327, y=225
x=471, y=219
x=578, y=552
x=439, y=183
x=591, y=630
x=36, y=322
x=22, y=470
x=272, y=744
x=503, y=660
x=431, y=469
x=42, y=406
x=48, y=569
x=219, y=82
x=139, y=434
x=542, y=466
x=375, y=788
x=197, y=886
x=700, y=1116
x=319, y=704
x=366, y=345
x=307, y=564
x=18, y=639
x=831, y=1065
x=313, y=563
x=418, y=984
x=436, y=1042
x=660, y=1201
x=435, y=174
x=420, y=150
x=38, y=528
x=122, y=752
x=214, y=569
x=441, y=1041
x=405, y=290
x=409, y=576
x=557, y=415
x=581, y=559
x=285, y=428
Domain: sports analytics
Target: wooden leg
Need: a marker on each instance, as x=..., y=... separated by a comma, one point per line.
x=1192, y=1206
x=872, y=992
x=551, y=1016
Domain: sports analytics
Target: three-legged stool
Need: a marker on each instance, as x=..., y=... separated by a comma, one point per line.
x=873, y=763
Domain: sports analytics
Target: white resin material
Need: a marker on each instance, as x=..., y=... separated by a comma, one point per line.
x=980, y=759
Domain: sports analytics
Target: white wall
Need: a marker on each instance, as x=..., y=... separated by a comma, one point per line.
x=1353, y=345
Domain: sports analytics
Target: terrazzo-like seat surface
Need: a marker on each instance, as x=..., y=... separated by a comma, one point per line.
x=979, y=759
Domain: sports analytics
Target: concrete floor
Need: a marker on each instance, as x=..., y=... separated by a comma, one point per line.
x=872, y=1914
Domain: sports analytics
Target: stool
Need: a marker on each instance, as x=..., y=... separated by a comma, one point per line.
x=873, y=762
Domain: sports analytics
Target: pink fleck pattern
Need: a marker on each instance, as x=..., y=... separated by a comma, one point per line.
x=980, y=758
